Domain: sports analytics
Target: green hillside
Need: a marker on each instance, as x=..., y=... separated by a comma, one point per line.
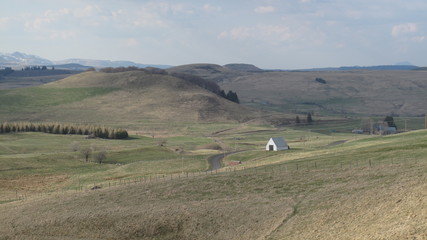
x=122, y=99
x=369, y=188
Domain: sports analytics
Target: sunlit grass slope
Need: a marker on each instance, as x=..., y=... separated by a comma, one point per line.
x=120, y=99
x=370, y=188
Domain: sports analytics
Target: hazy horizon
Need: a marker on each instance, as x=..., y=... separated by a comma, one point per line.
x=270, y=34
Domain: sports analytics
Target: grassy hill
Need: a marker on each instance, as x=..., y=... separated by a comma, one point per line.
x=369, y=188
x=345, y=92
x=212, y=72
x=355, y=92
x=123, y=99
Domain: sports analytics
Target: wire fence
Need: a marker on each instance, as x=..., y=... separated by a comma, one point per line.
x=241, y=169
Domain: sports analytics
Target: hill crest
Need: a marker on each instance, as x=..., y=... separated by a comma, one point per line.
x=123, y=99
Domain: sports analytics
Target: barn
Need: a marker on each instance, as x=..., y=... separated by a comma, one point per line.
x=276, y=144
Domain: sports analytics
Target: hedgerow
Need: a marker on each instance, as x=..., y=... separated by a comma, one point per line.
x=61, y=128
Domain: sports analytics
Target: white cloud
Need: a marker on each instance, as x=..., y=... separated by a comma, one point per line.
x=209, y=8
x=271, y=33
x=419, y=39
x=403, y=28
x=240, y=33
x=88, y=11
x=131, y=42
x=264, y=9
x=4, y=21
x=63, y=34
x=147, y=18
x=281, y=33
x=37, y=23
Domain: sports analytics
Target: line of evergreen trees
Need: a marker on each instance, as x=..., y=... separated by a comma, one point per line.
x=232, y=96
x=59, y=128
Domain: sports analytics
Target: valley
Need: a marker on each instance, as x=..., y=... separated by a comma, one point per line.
x=158, y=183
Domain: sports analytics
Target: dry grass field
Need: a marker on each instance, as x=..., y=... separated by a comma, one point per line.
x=371, y=188
x=352, y=92
x=345, y=92
x=330, y=185
x=124, y=99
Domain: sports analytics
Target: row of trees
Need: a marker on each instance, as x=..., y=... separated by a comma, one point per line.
x=34, y=68
x=232, y=96
x=58, y=128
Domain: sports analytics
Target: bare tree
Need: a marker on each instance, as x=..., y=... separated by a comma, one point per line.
x=86, y=153
x=75, y=146
x=101, y=156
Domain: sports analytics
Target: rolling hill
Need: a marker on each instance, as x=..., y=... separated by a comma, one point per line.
x=211, y=72
x=355, y=92
x=123, y=99
x=372, y=188
x=375, y=93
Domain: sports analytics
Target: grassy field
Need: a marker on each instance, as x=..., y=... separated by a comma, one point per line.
x=345, y=93
x=331, y=184
x=56, y=162
x=363, y=188
x=126, y=100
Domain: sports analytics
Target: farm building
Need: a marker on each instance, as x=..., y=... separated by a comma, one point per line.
x=276, y=144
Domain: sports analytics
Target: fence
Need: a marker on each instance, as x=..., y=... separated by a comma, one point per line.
x=280, y=168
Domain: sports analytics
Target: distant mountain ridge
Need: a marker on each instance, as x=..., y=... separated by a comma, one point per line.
x=107, y=63
x=18, y=60
x=349, y=68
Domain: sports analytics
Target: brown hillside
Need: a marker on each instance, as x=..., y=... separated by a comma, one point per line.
x=136, y=96
x=212, y=72
x=360, y=92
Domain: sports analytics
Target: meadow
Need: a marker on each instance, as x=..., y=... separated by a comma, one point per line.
x=158, y=184
x=365, y=187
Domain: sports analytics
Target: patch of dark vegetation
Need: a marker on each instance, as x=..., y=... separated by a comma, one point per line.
x=58, y=128
x=320, y=80
x=6, y=71
x=232, y=96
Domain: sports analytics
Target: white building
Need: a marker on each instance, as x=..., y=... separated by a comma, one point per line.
x=276, y=144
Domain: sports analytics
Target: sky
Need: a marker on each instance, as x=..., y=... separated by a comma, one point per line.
x=271, y=34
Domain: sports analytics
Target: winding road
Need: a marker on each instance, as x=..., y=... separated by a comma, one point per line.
x=215, y=160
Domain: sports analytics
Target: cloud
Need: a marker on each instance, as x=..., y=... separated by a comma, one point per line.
x=37, y=23
x=419, y=39
x=269, y=33
x=130, y=42
x=403, y=28
x=87, y=11
x=264, y=9
x=209, y=8
x=4, y=21
x=63, y=34
x=240, y=33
